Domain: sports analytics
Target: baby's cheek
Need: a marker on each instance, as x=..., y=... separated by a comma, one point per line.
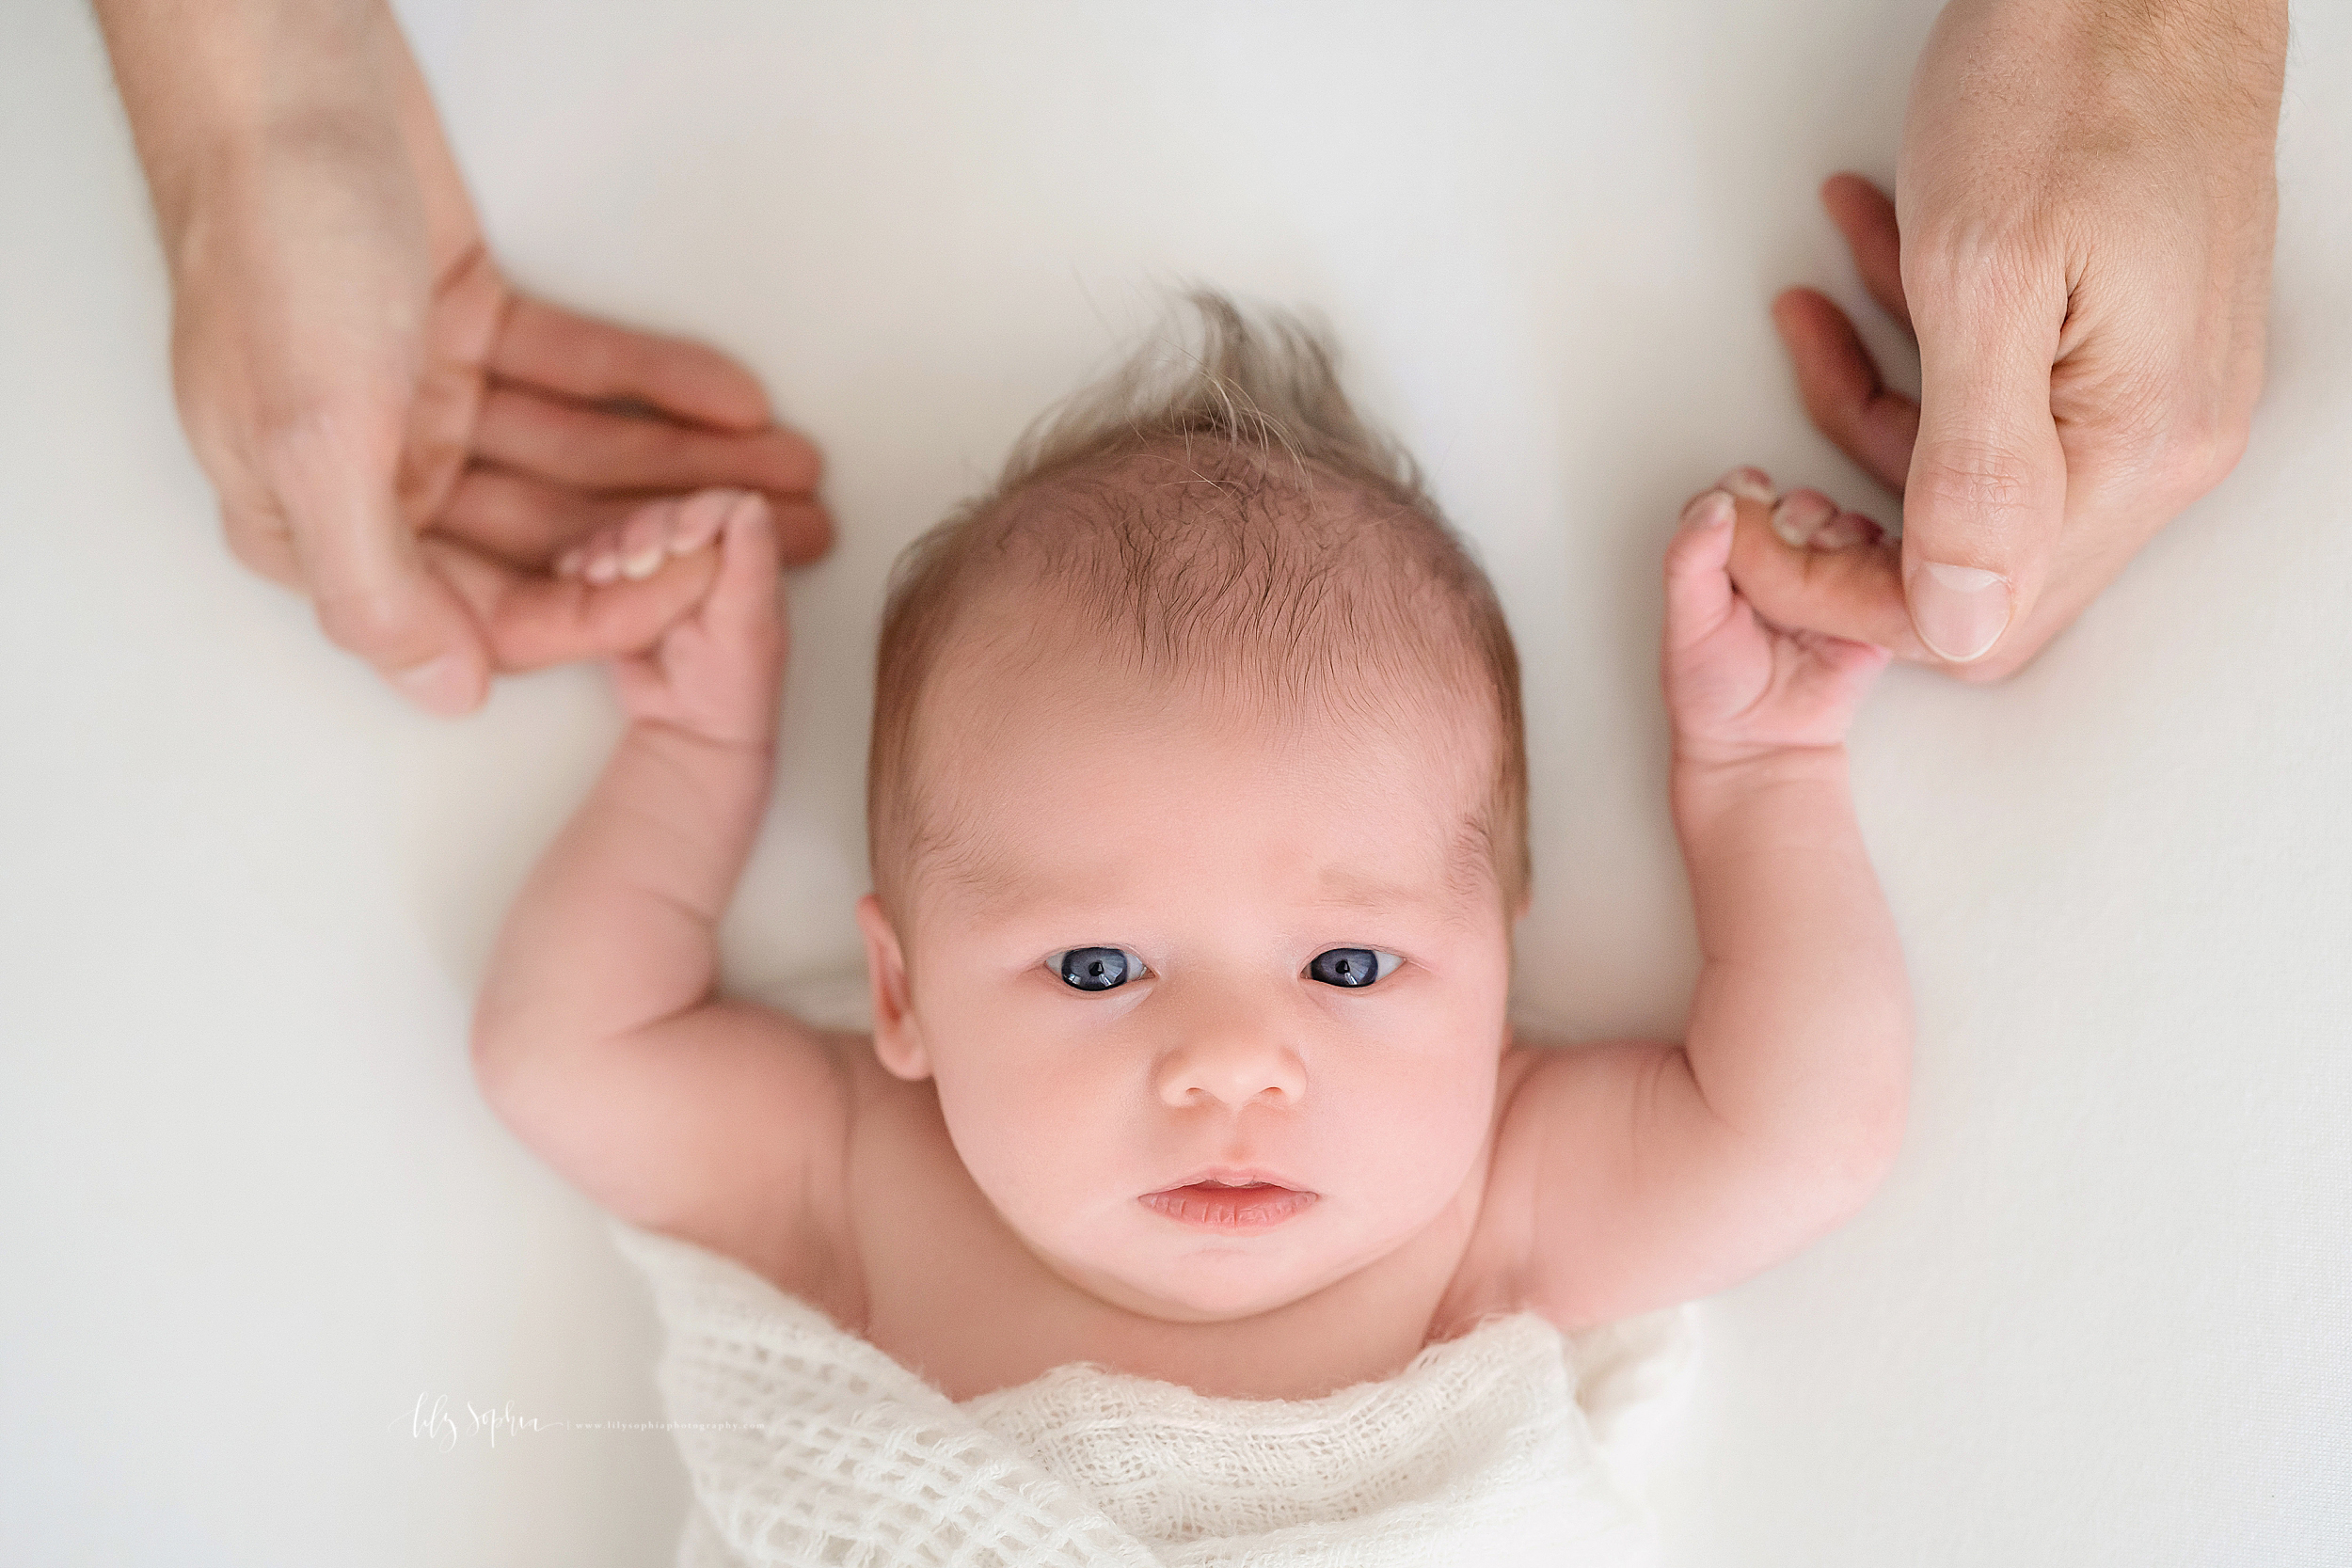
x=1026, y=1127
x=1419, y=1119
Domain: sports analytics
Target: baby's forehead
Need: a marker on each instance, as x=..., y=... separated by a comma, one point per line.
x=1075, y=784
x=1117, y=660
x=1316, y=615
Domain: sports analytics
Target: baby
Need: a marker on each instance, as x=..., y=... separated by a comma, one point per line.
x=1197, y=812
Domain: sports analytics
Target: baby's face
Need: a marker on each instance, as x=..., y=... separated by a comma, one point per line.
x=1130, y=976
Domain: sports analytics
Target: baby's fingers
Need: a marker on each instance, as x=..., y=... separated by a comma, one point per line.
x=1853, y=591
x=533, y=621
x=637, y=545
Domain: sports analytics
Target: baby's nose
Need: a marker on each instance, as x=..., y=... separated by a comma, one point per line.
x=1232, y=1067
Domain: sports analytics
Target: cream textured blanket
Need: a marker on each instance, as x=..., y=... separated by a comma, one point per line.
x=807, y=1446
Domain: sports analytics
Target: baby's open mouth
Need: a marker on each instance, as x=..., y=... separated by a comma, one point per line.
x=1240, y=1202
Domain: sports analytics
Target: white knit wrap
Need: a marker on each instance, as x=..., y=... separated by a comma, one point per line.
x=807, y=1445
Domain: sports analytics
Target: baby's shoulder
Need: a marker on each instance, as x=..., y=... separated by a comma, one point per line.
x=841, y=1186
x=756, y=1111
x=1563, y=1120
x=1490, y=1280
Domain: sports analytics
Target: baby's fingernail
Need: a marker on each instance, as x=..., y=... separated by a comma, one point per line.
x=646, y=562
x=444, y=685
x=1798, y=515
x=1960, y=612
x=1846, y=529
x=1711, y=510
x=698, y=521
x=749, y=510
x=602, y=570
x=1752, y=484
x=567, y=564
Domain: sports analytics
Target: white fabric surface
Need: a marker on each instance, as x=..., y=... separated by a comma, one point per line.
x=256, y=1222
x=807, y=1446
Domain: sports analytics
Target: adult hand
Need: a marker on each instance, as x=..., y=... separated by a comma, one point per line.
x=2080, y=240
x=389, y=426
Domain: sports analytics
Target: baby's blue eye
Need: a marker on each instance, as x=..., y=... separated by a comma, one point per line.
x=1352, y=966
x=1096, y=968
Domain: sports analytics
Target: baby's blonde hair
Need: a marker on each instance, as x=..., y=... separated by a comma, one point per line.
x=1180, y=509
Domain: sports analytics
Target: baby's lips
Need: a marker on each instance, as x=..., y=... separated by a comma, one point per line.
x=1232, y=1176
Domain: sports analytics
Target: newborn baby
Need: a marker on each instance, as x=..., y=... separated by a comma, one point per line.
x=1198, y=809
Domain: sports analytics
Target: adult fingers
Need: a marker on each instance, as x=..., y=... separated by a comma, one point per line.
x=601, y=450
x=1844, y=396
x=597, y=362
x=359, y=560
x=533, y=621
x=1986, y=501
x=1865, y=217
x=529, y=521
x=524, y=521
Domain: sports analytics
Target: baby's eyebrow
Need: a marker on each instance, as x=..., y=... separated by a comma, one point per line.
x=1344, y=890
x=1005, y=892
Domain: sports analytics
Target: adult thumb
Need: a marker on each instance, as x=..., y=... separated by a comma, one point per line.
x=369, y=583
x=1986, y=496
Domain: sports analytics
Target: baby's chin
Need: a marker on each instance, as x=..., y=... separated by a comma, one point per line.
x=1188, y=1281
x=1193, y=1295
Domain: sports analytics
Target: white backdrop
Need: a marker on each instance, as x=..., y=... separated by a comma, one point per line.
x=255, y=1216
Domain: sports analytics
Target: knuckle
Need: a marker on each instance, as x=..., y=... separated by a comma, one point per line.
x=353, y=408
x=2199, y=451
x=1975, y=267
x=1979, y=476
x=369, y=622
x=254, y=546
x=294, y=439
x=2172, y=448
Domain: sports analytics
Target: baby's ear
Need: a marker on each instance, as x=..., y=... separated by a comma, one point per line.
x=897, y=1038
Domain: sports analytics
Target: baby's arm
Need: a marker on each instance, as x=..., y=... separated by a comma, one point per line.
x=599, y=1038
x=1653, y=1173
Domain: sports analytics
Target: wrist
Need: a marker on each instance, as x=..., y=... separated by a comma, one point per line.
x=703, y=751
x=685, y=808
x=218, y=91
x=1709, y=784
x=2227, y=46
